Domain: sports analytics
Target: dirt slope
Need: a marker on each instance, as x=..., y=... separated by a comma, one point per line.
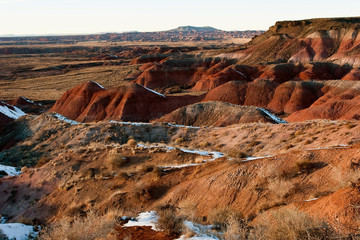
x=216, y=114
x=76, y=174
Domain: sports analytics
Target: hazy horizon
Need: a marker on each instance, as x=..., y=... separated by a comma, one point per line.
x=62, y=17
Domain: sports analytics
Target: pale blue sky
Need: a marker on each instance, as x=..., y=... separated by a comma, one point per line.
x=93, y=16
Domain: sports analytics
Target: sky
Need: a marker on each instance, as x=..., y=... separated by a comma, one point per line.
x=93, y=16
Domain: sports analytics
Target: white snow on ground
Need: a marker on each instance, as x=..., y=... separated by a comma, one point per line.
x=202, y=232
x=150, y=124
x=28, y=100
x=11, y=111
x=144, y=219
x=65, y=119
x=11, y=171
x=214, y=155
x=18, y=231
x=175, y=125
x=313, y=199
x=255, y=158
x=272, y=116
x=154, y=91
x=166, y=168
x=98, y=84
x=240, y=73
x=132, y=123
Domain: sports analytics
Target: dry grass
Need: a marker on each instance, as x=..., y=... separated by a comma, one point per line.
x=169, y=222
x=236, y=153
x=220, y=217
x=291, y=224
x=115, y=160
x=90, y=227
x=132, y=142
x=235, y=229
x=42, y=161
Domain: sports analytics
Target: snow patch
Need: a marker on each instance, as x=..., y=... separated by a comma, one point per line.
x=132, y=123
x=28, y=100
x=202, y=232
x=18, y=231
x=65, y=119
x=11, y=171
x=175, y=125
x=11, y=111
x=312, y=199
x=150, y=124
x=243, y=75
x=214, y=155
x=272, y=116
x=98, y=84
x=144, y=219
x=255, y=158
x=154, y=91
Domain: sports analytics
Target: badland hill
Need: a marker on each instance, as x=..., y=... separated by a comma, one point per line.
x=203, y=140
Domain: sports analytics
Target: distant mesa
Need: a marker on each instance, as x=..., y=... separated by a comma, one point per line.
x=194, y=29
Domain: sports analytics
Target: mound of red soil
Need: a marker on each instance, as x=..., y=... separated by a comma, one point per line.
x=90, y=102
x=149, y=58
x=338, y=102
x=22, y=101
x=141, y=233
x=159, y=75
x=8, y=113
x=303, y=100
x=232, y=92
x=212, y=81
x=188, y=71
x=217, y=114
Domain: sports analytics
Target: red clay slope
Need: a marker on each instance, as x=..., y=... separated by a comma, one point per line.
x=90, y=102
x=335, y=39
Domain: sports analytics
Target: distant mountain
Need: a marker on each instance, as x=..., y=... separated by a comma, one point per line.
x=194, y=29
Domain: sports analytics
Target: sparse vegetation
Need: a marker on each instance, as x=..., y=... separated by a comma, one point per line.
x=305, y=166
x=293, y=225
x=115, y=160
x=89, y=227
x=220, y=217
x=132, y=142
x=169, y=222
x=235, y=153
